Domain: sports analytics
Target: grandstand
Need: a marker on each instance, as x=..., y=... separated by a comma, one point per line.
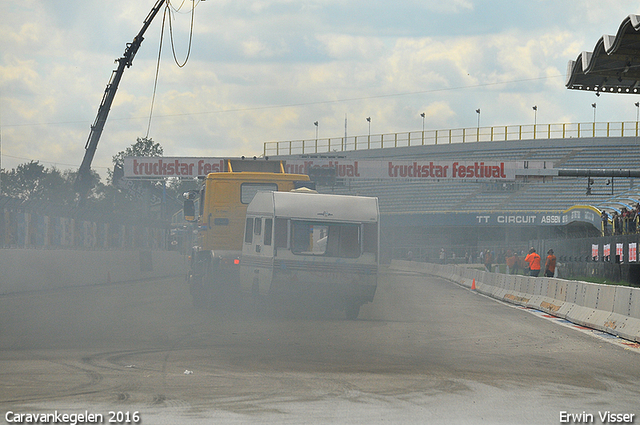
x=423, y=215
x=548, y=194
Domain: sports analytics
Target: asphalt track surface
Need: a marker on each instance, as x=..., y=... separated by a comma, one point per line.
x=426, y=351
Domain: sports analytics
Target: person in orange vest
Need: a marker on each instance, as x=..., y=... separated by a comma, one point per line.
x=534, y=262
x=511, y=261
x=550, y=264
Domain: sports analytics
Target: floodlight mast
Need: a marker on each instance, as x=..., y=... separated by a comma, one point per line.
x=83, y=182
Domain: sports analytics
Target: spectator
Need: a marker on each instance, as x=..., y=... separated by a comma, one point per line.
x=625, y=215
x=605, y=221
x=617, y=223
x=488, y=259
x=517, y=263
x=443, y=256
x=550, y=264
x=534, y=262
x=511, y=260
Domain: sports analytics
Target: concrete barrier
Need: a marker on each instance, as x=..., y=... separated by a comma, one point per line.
x=634, y=304
x=34, y=269
x=633, y=327
x=617, y=320
x=561, y=290
x=571, y=294
x=606, y=296
x=622, y=300
x=510, y=282
x=548, y=300
x=514, y=291
x=503, y=286
x=612, y=309
x=539, y=288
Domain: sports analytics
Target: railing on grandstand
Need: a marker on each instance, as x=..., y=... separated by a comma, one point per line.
x=622, y=226
x=460, y=135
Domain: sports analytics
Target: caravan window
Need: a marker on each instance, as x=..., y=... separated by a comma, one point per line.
x=344, y=241
x=248, y=231
x=281, y=233
x=327, y=239
x=268, y=225
x=308, y=238
x=370, y=238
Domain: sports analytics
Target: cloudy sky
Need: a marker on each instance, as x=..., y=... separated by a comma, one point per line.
x=266, y=70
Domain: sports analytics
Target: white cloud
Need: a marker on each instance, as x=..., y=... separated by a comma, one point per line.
x=451, y=6
x=345, y=46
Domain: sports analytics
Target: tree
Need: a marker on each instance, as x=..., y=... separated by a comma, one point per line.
x=23, y=182
x=144, y=146
x=32, y=181
x=138, y=197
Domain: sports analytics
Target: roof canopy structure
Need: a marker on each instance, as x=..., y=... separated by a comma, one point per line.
x=614, y=64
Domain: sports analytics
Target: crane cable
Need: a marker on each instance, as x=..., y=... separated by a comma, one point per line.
x=167, y=11
x=179, y=7
x=173, y=47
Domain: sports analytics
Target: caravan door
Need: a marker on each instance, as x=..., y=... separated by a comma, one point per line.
x=257, y=255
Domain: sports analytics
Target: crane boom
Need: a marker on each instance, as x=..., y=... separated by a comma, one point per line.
x=83, y=179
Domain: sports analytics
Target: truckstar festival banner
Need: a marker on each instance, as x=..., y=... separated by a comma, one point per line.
x=408, y=169
x=160, y=167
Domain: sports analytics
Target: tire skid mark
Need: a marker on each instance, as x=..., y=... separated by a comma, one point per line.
x=96, y=382
x=95, y=379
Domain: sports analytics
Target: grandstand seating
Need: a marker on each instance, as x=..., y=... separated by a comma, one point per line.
x=548, y=194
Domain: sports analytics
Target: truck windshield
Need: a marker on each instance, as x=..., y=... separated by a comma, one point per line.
x=327, y=239
x=249, y=190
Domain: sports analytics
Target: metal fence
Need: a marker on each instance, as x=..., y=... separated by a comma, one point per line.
x=460, y=135
x=41, y=225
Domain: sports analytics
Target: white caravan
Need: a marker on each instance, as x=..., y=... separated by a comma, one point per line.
x=315, y=247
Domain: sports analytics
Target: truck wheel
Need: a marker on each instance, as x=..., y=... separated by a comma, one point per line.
x=352, y=310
